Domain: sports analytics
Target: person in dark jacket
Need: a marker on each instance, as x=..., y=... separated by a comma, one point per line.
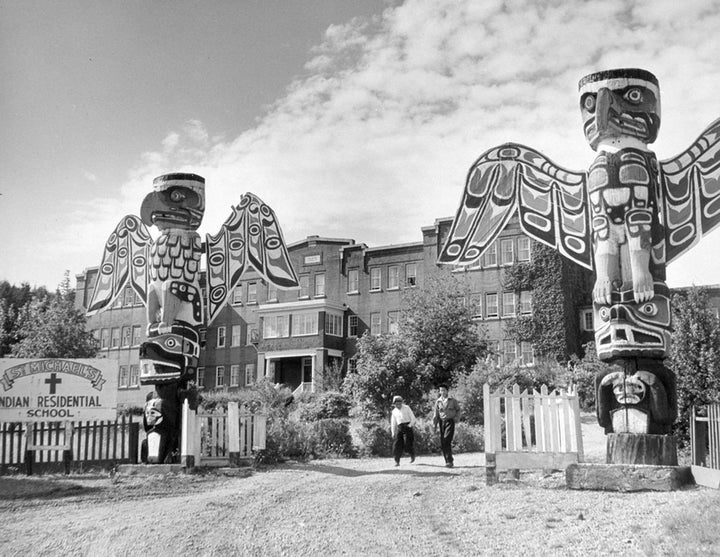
x=447, y=411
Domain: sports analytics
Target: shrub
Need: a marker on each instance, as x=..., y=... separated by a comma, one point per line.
x=468, y=438
x=329, y=404
x=330, y=438
x=374, y=439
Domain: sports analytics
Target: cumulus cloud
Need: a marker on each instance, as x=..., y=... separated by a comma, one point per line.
x=375, y=141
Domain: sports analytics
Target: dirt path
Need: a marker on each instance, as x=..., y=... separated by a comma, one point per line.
x=335, y=507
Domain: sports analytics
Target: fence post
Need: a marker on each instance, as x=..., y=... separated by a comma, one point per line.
x=133, y=441
x=67, y=449
x=233, y=429
x=29, y=452
x=187, y=444
x=259, y=421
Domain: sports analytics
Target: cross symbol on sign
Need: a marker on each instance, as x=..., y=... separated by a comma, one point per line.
x=52, y=381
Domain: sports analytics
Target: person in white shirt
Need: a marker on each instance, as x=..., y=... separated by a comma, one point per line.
x=401, y=427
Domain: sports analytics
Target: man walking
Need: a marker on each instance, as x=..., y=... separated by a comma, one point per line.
x=401, y=424
x=447, y=410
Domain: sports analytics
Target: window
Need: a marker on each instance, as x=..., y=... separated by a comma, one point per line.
x=352, y=365
x=105, y=338
x=476, y=305
x=250, y=376
x=126, y=337
x=128, y=296
x=333, y=324
x=411, y=274
x=507, y=252
x=203, y=335
x=393, y=322
x=275, y=326
x=123, y=377
x=375, y=279
x=490, y=256
x=221, y=337
x=252, y=335
x=527, y=354
x=219, y=376
x=304, y=324
x=115, y=337
x=353, y=281
x=200, y=379
x=134, y=375
x=525, y=302
x=375, y=324
x=235, y=376
x=236, y=335
x=237, y=295
x=523, y=248
x=586, y=320
x=353, y=325
x=272, y=295
x=508, y=304
x=393, y=277
x=304, y=286
x=136, y=335
x=320, y=285
x=307, y=365
x=491, y=305
x=509, y=351
x=252, y=293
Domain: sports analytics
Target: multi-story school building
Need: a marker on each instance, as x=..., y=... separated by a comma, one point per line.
x=346, y=289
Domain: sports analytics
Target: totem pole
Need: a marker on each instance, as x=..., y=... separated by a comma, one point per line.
x=625, y=218
x=165, y=274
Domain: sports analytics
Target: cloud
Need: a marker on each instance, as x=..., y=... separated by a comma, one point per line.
x=375, y=140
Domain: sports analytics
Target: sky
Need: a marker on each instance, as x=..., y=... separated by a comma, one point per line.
x=350, y=118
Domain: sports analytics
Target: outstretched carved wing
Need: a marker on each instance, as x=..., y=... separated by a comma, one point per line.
x=691, y=193
x=249, y=238
x=125, y=261
x=550, y=201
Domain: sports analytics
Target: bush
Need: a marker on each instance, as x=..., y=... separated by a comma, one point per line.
x=374, y=439
x=468, y=438
x=330, y=438
x=329, y=404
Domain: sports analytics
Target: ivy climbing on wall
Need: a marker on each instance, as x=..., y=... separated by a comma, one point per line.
x=558, y=288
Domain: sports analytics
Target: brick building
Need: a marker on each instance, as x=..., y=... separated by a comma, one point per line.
x=346, y=289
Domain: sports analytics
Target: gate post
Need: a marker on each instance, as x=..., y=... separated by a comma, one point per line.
x=188, y=433
x=233, y=429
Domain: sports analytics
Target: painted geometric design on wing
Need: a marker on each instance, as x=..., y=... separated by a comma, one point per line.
x=550, y=202
x=125, y=261
x=250, y=238
x=691, y=192
x=226, y=261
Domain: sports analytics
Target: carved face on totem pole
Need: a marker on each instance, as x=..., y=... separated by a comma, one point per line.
x=625, y=218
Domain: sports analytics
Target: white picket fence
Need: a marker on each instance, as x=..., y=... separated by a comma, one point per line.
x=530, y=430
x=221, y=438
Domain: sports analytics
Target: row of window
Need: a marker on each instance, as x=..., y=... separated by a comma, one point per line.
x=507, y=304
x=236, y=337
x=503, y=252
x=301, y=324
x=511, y=352
x=391, y=275
x=129, y=377
x=119, y=337
x=221, y=380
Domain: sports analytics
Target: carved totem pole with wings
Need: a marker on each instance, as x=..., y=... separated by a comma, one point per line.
x=626, y=218
x=165, y=274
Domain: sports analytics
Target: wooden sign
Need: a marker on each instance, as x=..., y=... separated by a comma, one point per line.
x=49, y=390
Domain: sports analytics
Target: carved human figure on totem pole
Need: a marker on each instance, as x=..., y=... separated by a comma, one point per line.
x=165, y=274
x=626, y=218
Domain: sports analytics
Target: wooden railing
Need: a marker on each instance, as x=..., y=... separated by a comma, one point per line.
x=51, y=446
x=705, y=444
x=525, y=430
x=221, y=437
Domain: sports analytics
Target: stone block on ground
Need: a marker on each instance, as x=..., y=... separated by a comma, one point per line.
x=627, y=477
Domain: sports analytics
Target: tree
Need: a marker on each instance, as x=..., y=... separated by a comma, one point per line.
x=437, y=341
x=438, y=322
x=49, y=326
x=695, y=354
x=385, y=368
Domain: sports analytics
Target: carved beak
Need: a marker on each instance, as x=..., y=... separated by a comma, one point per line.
x=602, y=110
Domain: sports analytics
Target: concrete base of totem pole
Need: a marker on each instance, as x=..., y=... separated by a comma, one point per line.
x=627, y=477
x=150, y=469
